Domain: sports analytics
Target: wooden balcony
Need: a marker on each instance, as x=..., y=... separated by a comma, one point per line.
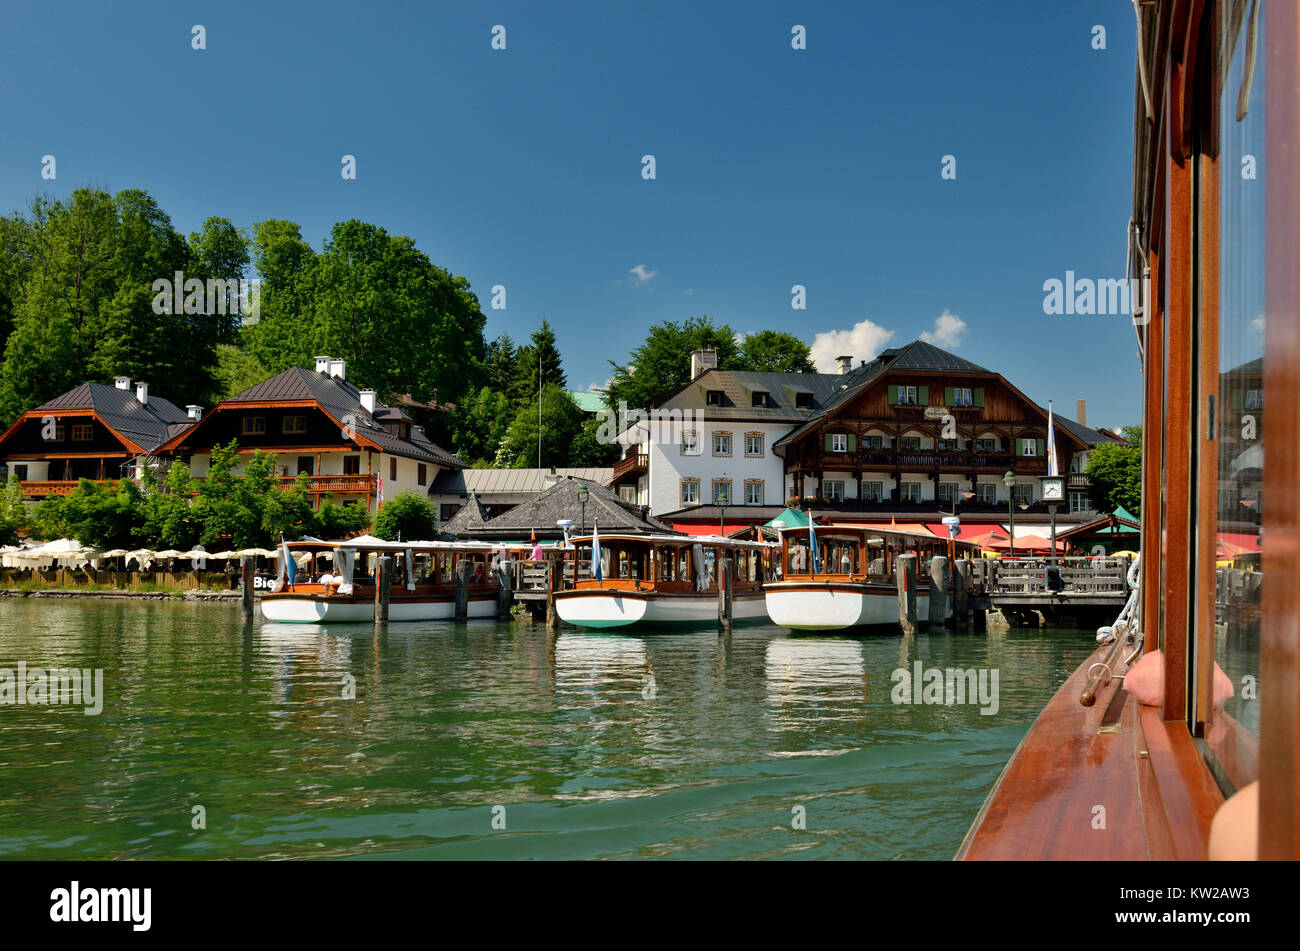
x=925, y=460
x=43, y=489
x=338, y=484
x=632, y=464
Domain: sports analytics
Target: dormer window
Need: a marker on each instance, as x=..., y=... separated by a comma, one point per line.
x=803, y=401
x=713, y=397
x=762, y=399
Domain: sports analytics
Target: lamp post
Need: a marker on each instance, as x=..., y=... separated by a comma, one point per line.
x=1053, y=491
x=583, y=492
x=1009, y=480
x=723, y=498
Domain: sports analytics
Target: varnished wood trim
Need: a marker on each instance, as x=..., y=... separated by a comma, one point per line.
x=1152, y=455
x=1279, y=688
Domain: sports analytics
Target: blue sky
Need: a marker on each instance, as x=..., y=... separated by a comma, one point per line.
x=522, y=167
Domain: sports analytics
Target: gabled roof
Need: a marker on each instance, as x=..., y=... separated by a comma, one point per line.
x=561, y=501
x=510, y=481
x=471, y=517
x=921, y=356
x=341, y=399
x=587, y=400
x=739, y=386
x=148, y=425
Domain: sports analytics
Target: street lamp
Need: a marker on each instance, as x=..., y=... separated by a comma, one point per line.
x=1009, y=480
x=722, y=499
x=583, y=492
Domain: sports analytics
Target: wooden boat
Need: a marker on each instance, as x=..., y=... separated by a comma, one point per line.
x=852, y=583
x=423, y=586
x=654, y=580
x=1193, y=753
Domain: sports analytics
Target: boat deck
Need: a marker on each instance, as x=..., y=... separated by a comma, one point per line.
x=1148, y=776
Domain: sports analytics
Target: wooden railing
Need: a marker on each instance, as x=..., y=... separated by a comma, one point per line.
x=928, y=460
x=44, y=488
x=633, y=462
x=1079, y=575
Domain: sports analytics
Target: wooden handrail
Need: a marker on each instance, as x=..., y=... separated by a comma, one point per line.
x=1098, y=680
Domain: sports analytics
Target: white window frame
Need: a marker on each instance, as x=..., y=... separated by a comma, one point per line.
x=986, y=489
x=952, y=487
x=833, y=490
x=908, y=395
x=958, y=399
x=758, y=439
x=904, y=440
x=1022, y=493
x=1028, y=446
x=721, y=483
x=871, y=491
x=754, y=484
x=714, y=441
x=1084, y=504
x=839, y=442
x=905, y=495
x=692, y=497
x=690, y=444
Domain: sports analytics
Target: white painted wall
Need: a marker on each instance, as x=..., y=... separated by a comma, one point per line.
x=668, y=465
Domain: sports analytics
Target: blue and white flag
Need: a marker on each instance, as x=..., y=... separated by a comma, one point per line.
x=290, y=566
x=1051, y=443
x=812, y=543
x=595, y=553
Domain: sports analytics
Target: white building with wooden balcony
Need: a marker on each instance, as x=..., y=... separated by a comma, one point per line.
x=320, y=425
x=93, y=431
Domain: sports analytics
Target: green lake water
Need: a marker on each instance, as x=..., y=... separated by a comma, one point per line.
x=582, y=745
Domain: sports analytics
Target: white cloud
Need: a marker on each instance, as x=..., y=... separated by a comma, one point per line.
x=640, y=274
x=594, y=387
x=862, y=342
x=948, y=330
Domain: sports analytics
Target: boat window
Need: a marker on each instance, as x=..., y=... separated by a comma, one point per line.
x=1229, y=704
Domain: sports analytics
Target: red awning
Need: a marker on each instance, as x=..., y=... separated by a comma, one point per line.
x=966, y=531
x=708, y=528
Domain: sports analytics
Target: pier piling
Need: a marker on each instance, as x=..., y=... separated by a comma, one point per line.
x=383, y=579
x=961, y=586
x=554, y=574
x=463, y=568
x=905, y=577
x=939, y=577
x=504, y=592
x=246, y=593
x=725, y=581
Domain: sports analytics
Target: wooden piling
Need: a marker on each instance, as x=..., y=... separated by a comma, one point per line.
x=725, y=581
x=961, y=587
x=554, y=578
x=463, y=569
x=939, y=576
x=246, y=595
x=383, y=580
x=504, y=592
x=905, y=578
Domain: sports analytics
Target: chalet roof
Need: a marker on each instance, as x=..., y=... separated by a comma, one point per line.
x=739, y=386
x=471, y=517
x=145, y=424
x=510, y=481
x=919, y=355
x=340, y=399
x=561, y=501
x=588, y=401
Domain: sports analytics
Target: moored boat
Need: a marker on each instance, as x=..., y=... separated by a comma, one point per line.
x=662, y=579
x=844, y=576
x=342, y=586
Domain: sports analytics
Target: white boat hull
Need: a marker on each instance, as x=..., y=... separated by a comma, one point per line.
x=315, y=609
x=617, y=608
x=832, y=606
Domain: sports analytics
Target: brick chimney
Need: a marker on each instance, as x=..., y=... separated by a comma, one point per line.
x=702, y=360
x=1081, y=412
x=846, y=364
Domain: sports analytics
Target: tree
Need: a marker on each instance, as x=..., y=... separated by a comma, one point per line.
x=1115, y=476
x=561, y=425
x=404, y=324
x=13, y=511
x=236, y=371
x=169, y=517
x=588, y=450
x=500, y=362
x=406, y=516
x=221, y=252
x=284, y=334
x=340, y=521
x=479, y=424
x=526, y=379
x=95, y=515
x=774, y=351
x=661, y=366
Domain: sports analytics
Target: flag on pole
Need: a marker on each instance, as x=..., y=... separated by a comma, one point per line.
x=1051, y=443
x=290, y=566
x=812, y=543
x=380, y=496
x=595, y=553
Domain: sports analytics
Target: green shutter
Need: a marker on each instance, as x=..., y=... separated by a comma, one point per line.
x=1236, y=399
x=1018, y=446
x=828, y=442
x=893, y=395
x=1042, y=447
x=979, y=396
x=947, y=395
x=923, y=395
x=853, y=443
